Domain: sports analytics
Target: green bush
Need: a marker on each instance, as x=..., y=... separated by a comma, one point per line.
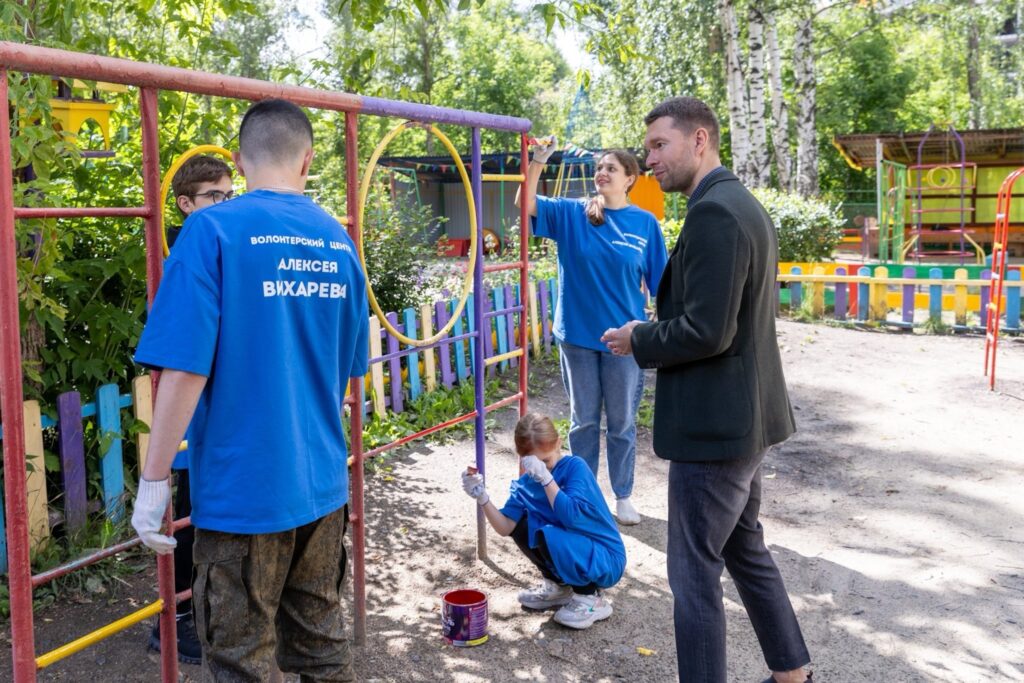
x=670, y=229
x=809, y=229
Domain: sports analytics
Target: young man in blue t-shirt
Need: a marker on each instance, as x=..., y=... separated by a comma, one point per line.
x=201, y=181
x=258, y=325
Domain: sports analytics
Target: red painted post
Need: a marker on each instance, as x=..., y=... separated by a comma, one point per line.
x=148, y=111
x=19, y=573
x=524, y=278
x=356, y=518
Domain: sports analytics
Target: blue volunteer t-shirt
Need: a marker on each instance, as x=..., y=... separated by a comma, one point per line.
x=600, y=267
x=579, y=531
x=263, y=295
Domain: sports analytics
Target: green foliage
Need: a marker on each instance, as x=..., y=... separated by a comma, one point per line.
x=808, y=229
x=396, y=254
x=670, y=229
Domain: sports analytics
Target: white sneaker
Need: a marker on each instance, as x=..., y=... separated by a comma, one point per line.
x=626, y=513
x=583, y=611
x=548, y=594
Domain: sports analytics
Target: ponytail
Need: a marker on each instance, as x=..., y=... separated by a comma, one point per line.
x=595, y=210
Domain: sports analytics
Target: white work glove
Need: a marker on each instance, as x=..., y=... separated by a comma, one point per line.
x=537, y=470
x=544, y=148
x=473, y=485
x=148, y=517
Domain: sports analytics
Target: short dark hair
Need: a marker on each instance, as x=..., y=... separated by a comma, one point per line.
x=196, y=171
x=274, y=131
x=687, y=114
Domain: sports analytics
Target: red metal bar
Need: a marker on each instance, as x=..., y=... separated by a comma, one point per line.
x=149, y=112
x=19, y=573
x=524, y=278
x=412, y=437
x=357, y=516
x=507, y=401
x=92, y=558
x=495, y=267
x=84, y=212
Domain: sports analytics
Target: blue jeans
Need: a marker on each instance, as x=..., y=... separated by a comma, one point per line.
x=596, y=378
x=712, y=525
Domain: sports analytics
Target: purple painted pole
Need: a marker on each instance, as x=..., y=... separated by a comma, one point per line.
x=394, y=365
x=478, y=360
x=545, y=325
x=510, y=319
x=72, y=458
x=986, y=294
x=444, y=349
x=908, y=296
x=841, y=298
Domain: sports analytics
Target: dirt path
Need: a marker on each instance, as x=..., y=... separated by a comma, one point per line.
x=895, y=515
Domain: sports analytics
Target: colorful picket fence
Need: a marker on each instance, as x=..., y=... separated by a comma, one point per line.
x=396, y=375
x=904, y=300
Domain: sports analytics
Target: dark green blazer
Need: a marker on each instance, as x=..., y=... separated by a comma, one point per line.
x=721, y=393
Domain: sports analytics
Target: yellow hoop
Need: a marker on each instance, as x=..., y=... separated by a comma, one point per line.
x=165, y=186
x=467, y=283
x=931, y=180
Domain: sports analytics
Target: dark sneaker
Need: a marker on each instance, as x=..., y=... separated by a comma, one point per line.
x=189, y=649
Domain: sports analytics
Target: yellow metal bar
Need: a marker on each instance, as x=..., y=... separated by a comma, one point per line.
x=43, y=661
x=183, y=446
x=507, y=177
x=505, y=356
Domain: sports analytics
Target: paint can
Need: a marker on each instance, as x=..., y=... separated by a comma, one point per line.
x=464, y=617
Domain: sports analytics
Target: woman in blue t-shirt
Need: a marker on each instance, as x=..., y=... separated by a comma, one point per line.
x=607, y=249
x=557, y=516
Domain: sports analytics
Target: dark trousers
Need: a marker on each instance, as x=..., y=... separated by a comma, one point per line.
x=712, y=525
x=261, y=597
x=184, y=572
x=542, y=558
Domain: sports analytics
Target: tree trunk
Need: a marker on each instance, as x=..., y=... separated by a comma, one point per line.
x=759, y=163
x=780, y=113
x=974, y=71
x=807, y=137
x=736, y=91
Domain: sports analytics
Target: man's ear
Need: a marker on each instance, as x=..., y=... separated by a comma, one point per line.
x=236, y=157
x=184, y=204
x=307, y=161
x=701, y=136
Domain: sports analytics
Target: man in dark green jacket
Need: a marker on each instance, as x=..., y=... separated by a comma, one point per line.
x=721, y=398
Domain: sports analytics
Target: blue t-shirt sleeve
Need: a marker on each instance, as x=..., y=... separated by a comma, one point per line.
x=183, y=325
x=655, y=258
x=514, y=508
x=554, y=216
x=574, y=496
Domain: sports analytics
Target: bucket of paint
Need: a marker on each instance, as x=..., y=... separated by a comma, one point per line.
x=464, y=617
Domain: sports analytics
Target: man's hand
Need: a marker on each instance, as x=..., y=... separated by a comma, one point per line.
x=536, y=470
x=148, y=517
x=618, y=339
x=473, y=485
x=544, y=149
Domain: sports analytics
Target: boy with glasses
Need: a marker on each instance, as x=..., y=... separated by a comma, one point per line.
x=201, y=181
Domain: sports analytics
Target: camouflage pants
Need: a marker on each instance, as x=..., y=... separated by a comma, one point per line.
x=266, y=597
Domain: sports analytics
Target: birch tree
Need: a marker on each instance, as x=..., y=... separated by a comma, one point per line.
x=780, y=110
x=736, y=91
x=807, y=105
x=759, y=162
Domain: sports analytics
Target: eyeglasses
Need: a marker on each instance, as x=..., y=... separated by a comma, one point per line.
x=215, y=196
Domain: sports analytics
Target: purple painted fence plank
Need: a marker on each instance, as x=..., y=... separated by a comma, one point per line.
x=510, y=320
x=72, y=458
x=545, y=324
x=394, y=365
x=841, y=298
x=985, y=295
x=908, y=296
x=444, y=348
x=487, y=330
